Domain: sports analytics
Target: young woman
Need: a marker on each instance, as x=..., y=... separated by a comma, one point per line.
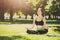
x=40, y=23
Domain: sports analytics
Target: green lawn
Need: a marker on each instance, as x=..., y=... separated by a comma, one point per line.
x=28, y=21
x=17, y=32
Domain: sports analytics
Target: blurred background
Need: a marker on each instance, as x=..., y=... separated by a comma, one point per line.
x=20, y=13
x=18, y=9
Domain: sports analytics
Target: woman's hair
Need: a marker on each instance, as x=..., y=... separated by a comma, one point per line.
x=42, y=10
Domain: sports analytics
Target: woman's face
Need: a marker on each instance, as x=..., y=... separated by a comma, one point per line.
x=39, y=12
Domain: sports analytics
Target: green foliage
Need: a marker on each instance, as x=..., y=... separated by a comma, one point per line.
x=54, y=9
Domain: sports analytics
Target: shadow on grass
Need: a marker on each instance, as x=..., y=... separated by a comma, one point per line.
x=53, y=22
x=26, y=21
x=13, y=38
x=17, y=22
x=22, y=22
x=57, y=29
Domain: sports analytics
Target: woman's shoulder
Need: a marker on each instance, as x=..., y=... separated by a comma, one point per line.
x=35, y=17
x=44, y=17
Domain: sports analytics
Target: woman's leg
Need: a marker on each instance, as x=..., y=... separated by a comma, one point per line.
x=31, y=32
x=43, y=31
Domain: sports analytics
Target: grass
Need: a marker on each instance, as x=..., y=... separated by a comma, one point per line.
x=28, y=21
x=18, y=32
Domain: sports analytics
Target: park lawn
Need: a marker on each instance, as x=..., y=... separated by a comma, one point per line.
x=17, y=32
x=29, y=21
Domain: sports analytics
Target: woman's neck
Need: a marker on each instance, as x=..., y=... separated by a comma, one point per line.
x=40, y=16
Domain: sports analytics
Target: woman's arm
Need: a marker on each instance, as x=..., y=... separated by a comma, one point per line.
x=33, y=24
x=44, y=20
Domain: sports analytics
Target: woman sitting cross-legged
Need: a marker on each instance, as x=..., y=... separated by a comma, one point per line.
x=40, y=23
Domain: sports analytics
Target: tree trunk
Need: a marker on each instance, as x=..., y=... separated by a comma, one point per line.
x=25, y=16
x=49, y=16
x=56, y=17
x=32, y=16
x=19, y=16
x=11, y=15
x=2, y=15
x=53, y=16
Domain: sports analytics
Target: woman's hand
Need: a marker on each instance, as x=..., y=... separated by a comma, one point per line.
x=29, y=28
x=26, y=28
x=44, y=26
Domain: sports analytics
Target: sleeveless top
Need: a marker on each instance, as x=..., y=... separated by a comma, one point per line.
x=39, y=21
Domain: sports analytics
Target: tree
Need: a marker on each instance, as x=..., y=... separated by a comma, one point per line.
x=55, y=8
x=42, y=4
x=2, y=10
x=27, y=9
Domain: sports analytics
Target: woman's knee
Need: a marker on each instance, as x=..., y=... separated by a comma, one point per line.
x=32, y=32
x=43, y=32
